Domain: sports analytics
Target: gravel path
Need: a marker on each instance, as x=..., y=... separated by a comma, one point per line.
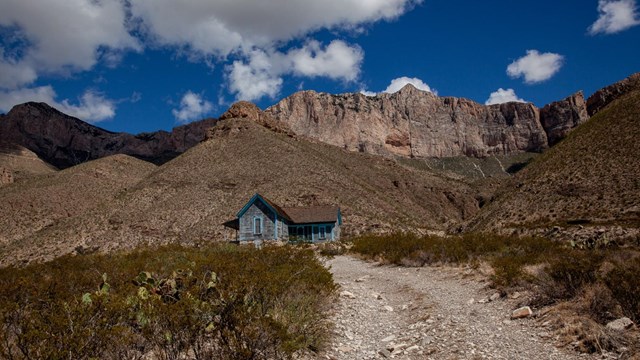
x=428, y=313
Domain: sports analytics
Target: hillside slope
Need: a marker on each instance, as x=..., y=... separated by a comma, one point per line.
x=188, y=198
x=18, y=163
x=587, y=185
x=39, y=202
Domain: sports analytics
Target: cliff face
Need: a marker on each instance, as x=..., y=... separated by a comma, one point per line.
x=415, y=123
x=560, y=117
x=64, y=141
x=605, y=96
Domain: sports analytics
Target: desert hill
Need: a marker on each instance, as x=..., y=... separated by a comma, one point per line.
x=18, y=163
x=38, y=202
x=64, y=141
x=588, y=186
x=188, y=198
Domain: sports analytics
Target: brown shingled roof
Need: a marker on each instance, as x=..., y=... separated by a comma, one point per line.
x=312, y=214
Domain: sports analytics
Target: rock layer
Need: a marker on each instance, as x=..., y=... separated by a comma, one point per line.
x=64, y=141
x=416, y=123
x=605, y=96
x=560, y=117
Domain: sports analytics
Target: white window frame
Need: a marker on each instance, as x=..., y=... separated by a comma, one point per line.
x=260, y=222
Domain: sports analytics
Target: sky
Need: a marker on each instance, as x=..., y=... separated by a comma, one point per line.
x=144, y=65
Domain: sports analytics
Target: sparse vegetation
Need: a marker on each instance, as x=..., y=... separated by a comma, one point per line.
x=214, y=302
x=602, y=283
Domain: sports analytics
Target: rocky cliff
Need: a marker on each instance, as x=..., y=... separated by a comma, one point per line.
x=416, y=123
x=64, y=141
x=605, y=96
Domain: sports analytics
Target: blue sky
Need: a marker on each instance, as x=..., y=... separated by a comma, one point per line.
x=144, y=65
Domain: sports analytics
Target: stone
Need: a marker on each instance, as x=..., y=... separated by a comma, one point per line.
x=6, y=176
x=605, y=96
x=347, y=294
x=483, y=301
x=388, y=308
x=620, y=324
x=471, y=301
x=384, y=353
x=522, y=312
x=496, y=296
x=389, y=338
x=412, y=348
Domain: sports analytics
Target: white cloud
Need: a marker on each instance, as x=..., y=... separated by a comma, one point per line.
x=262, y=74
x=61, y=36
x=222, y=27
x=368, y=93
x=502, y=96
x=337, y=61
x=398, y=83
x=91, y=107
x=536, y=67
x=615, y=16
x=192, y=107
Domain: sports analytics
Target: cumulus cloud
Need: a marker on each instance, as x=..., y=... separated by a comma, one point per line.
x=230, y=32
x=615, y=16
x=398, y=83
x=60, y=36
x=222, y=27
x=261, y=75
x=91, y=106
x=502, y=96
x=535, y=67
x=192, y=107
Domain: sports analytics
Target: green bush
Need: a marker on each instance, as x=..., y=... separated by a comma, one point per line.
x=212, y=302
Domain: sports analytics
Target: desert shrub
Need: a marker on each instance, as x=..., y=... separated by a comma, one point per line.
x=212, y=302
x=406, y=248
x=624, y=283
x=599, y=304
x=333, y=248
x=569, y=271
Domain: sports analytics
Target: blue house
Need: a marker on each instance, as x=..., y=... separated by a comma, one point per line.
x=261, y=219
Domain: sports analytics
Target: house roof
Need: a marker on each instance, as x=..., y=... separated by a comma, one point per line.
x=299, y=215
x=313, y=214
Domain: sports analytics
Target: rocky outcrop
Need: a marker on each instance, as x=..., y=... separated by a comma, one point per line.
x=560, y=117
x=605, y=96
x=416, y=123
x=6, y=176
x=64, y=141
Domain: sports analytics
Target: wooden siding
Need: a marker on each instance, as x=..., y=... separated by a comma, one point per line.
x=257, y=209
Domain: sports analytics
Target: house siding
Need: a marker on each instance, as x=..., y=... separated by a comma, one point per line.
x=257, y=209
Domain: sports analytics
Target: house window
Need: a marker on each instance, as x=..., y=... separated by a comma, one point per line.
x=323, y=233
x=257, y=226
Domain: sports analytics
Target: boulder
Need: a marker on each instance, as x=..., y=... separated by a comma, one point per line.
x=522, y=312
x=620, y=324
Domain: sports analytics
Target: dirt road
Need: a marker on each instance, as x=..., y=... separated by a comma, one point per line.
x=428, y=313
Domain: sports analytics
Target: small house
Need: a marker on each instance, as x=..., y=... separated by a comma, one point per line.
x=261, y=219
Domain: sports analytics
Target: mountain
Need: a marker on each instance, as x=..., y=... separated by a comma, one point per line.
x=39, y=202
x=188, y=198
x=64, y=141
x=587, y=187
x=415, y=123
x=18, y=163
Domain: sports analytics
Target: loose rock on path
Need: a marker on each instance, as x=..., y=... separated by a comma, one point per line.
x=428, y=313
